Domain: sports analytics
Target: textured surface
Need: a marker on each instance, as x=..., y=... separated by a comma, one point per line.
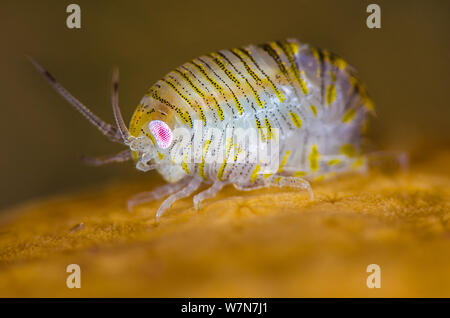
x=263, y=243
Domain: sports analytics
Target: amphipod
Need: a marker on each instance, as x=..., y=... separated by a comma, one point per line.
x=303, y=104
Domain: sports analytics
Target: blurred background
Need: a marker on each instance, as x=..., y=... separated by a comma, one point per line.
x=405, y=65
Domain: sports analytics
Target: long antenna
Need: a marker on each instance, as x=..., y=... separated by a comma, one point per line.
x=122, y=156
x=107, y=129
x=115, y=107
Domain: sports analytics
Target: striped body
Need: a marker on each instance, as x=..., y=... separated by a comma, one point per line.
x=310, y=96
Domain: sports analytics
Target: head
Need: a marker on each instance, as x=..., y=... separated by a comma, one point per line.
x=150, y=136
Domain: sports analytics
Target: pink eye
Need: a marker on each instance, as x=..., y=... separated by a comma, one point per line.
x=162, y=133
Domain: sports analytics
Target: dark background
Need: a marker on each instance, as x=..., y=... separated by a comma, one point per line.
x=405, y=65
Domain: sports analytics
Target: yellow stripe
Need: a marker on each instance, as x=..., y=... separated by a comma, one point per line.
x=358, y=162
x=218, y=108
x=320, y=178
x=296, y=120
x=201, y=113
x=237, y=103
x=335, y=60
x=205, y=74
x=314, y=158
x=149, y=136
x=333, y=162
x=314, y=110
x=247, y=67
x=300, y=173
x=277, y=180
x=273, y=51
x=185, y=117
x=198, y=91
x=348, y=150
x=316, y=55
x=340, y=63
x=178, y=92
x=326, y=56
x=238, y=151
x=333, y=76
x=201, y=166
x=217, y=86
x=221, y=65
x=361, y=89
x=303, y=83
x=291, y=57
x=368, y=103
x=283, y=162
x=254, y=174
x=224, y=164
x=184, y=164
x=353, y=81
x=187, y=79
x=331, y=94
x=140, y=117
x=349, y=115
x=274, y=88
x=206, y=146
x=274, y=55
x=269, y=128
x=260, y=130
x=293, y=46
x=255, y=94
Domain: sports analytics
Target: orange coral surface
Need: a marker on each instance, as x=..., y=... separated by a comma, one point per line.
x=265, y=243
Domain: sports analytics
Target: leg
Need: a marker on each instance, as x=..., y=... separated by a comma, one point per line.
x=209, y=193
x=185, y=192
x=294, y=182
x=156, y=194
x=279, y=181
x=118, y=157
x=241, y=187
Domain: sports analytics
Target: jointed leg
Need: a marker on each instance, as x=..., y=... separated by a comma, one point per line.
x=156, y=194
x=294, y=182
x=209, y=193
x=279, y=181
x=185, y=192
x=241, y=187
x=118, y=157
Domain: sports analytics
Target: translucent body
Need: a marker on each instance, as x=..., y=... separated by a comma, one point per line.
x=312, y=97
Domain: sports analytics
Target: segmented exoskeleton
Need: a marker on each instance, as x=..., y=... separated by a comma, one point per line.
x=188, y=124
